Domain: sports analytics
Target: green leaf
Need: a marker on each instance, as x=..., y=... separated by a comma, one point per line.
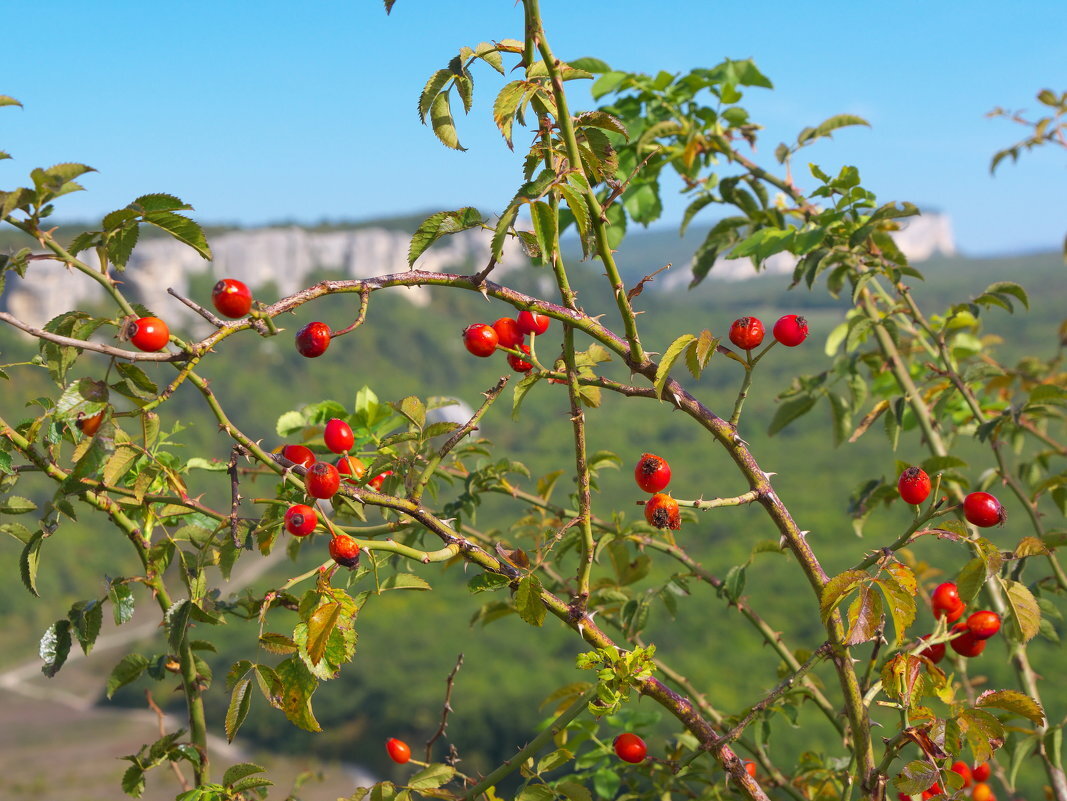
x=528, y=600
x=289, y=423
x=827, y=127
x=129, y=669
x=86, y=618
x=1009, y=288
x=675, y=350
x=544, y=225
x=5, y=100
x=297, y=687
x=504, y=108
x=835, y=590
x=236, y=712
x=864, y=616
x=790, y=411
x=181, y=228
x=440, y=224
x=431, y=777
x=177, y=621
x=900, y=603
x=404, y=581
x=983, y=731
x=490, y=55
x=158, y=201
x=240, y=771
x=500, y=230
x=30, y=560
x=443, y=124
x=916, y=777
x=55, y=647
x=320, y=626
x=487, y=582
x=15, y=505
x=133, y=782
x=1026, y=614
x=1014, y=702
x=432, y=89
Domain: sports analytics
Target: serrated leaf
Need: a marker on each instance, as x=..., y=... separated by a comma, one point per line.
x=240, y=771
x=320, y=626
x=442, y=123
x=789, y=411
x=86, y=617
x=30, y=561
x=181, y=228
x=900, y=604
x=676, y=349
x=297, y=687
x=237, y=711
x=404, y=581
x=431, y=777
x=487, y=582
x=133, y=781
x=528, y=600
x=983, y=731
x=1014, y=702
x=1009, y=288
x=506, y=105
x=433, y=88
x=837, y=588
x=129, y=669
x=544, y=225
x=55, y=647
x=1026, y=614
x=864, y=616
x=437, y=225
x=916, y=777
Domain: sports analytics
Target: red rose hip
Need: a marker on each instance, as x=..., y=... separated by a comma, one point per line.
x=661, y=511
x=232, y=298
x=914, y=485
x=301, y=519
x=480, y=339
x=344, y=550
x=652, y=473
x=747, y=332
x=983, y=624
x=532, y=322
x=398, y=750
x=351, y=466
x=966, y=644
x=980, y=773
x=338, y=435
x=791, y=330
x=149, y=334
x=313, y=339
x=507, y=332
x=983, y=510
x=298, y=454
x=935, y=653
x=520, y=365
x=946, y=602
x=630, y=748
x=322, y=480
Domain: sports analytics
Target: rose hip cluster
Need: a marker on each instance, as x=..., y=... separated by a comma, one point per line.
x=483, y=340
x=974, y=778
x=653, y=474
x=322, y=480
x=747, y=332
x=979, y=508
x=971, y=634
x=231, y=298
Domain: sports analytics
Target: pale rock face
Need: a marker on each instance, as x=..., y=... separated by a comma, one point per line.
x=286, y=256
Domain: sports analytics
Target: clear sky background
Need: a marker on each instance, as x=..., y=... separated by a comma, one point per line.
x=278, y=111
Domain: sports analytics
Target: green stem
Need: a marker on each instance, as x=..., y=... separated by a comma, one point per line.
x=585, y=564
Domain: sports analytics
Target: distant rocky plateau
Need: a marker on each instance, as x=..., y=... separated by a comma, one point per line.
x=287, y=256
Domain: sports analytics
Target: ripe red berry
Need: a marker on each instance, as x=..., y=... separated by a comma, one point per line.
x=89, y=425
x=298, y=454
x=344, y=550
x=983, y=510
x=532, y=322
x=982, y=792
x=232, y=298
x=398, y=750
x=750, y=766
x=313, y=339
x=301, y=519
x=630, y=748
x=790, y=330
x=322, y=480
x=480, y=339
x=148, y=334
x=946, y=602
x=914, y=485
x=935, y=653
x=376, y=482
x=984, y=624
x=980, y=773
x=934, y=789
x=964, y=770
x=661, y=511
x=518, y=364
x=652, y=473
x=351, y=466
x=507, y=332
x=747, y=332
x=338, y=435
x=966, y=644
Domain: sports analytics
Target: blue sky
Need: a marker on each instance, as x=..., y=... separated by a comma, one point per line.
x=269, y=111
